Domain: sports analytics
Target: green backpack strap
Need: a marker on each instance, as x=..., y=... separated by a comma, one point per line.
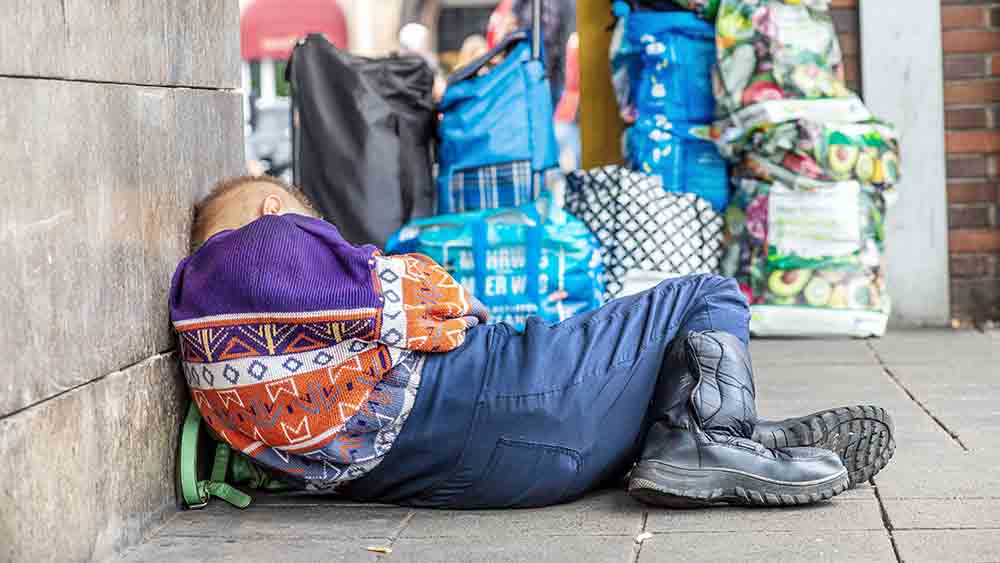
x=194, y=492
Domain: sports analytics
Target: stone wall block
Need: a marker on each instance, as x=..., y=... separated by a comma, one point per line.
x=91, y=470
x=95, y=207
x=187, y=43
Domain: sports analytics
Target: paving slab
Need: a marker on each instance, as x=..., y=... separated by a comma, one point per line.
x=935, y=346
x=943, y=474
x=981, y=441
x=560, y=549
x=827, y=376
x=602, y=513
x=220, y=520
x=912, y=424
x=944, y=376
x=969, y=513
x=181, y=549
x=948, y=546
x=807, y=351
x=868, y=546
x=862, y=513
x=962, y=396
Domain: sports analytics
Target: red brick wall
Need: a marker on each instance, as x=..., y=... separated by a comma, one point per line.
x=845, y=18
x=971, y=41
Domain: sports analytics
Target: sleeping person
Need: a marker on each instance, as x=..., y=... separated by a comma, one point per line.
x=338, y=368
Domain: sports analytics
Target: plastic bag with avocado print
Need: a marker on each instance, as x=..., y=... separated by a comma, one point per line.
x=776, y=50
x=823, y=151
x=809, y=260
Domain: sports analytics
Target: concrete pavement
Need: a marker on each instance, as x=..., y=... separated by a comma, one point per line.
x=938, y=500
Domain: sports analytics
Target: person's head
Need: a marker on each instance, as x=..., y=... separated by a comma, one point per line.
x=415, y=38
x=240, y=201
x=472, y=47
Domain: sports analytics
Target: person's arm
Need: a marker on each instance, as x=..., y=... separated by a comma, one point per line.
x=425, y=306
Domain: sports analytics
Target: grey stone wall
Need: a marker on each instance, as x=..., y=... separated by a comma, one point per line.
x=115, y=117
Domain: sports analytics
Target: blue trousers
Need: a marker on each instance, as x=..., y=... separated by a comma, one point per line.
x=541, y=417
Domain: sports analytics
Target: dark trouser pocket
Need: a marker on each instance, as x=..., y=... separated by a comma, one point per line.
x=523, y=474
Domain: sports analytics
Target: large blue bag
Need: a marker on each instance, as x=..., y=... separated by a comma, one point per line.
x=682, y=155
x=533, y=260
x=496, y=131
x=662, y=64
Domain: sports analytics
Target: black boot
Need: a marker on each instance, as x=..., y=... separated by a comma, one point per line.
x=862, y=436
x=698, y=450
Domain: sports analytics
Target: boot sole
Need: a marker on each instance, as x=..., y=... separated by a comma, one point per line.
x=863, y=437
x=662, y=484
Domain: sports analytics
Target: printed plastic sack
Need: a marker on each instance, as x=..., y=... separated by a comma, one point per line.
x=820, y=147
x=533, y=260
x=706, y=9
x=682, y=155
x=776, y=50
x=642, y=228
x=660, y=63
x=809, y=257
x=862, y=152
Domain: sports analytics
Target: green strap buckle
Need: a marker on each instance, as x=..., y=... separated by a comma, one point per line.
x=194, y=492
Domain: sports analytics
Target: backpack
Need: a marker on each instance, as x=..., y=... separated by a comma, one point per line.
x=227, y=467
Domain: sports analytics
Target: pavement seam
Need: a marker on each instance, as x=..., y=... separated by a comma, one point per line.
x=398, y=532
x=149, y=535
x=887, y=522
x=637, y=546
x=895, y=379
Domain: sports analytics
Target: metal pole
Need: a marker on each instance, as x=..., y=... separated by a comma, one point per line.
x=536, y=53
x=536, y=29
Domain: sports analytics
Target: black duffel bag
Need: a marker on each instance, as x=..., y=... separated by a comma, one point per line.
x=362, y=134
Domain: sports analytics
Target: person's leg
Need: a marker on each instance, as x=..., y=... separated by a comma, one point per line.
x=539, y=417
x=863, y=436
x=699, y=448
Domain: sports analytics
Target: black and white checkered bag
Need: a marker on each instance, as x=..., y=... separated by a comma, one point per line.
x=642, y=227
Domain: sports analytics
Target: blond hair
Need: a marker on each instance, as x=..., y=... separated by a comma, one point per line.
x=208, y=210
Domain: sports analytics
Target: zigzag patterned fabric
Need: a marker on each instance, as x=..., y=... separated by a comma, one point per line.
x=304, y=352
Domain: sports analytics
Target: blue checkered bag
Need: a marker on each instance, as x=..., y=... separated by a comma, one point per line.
x=496, y=131
x=491, y=187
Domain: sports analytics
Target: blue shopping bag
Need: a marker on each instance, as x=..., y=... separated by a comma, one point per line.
x=496, y=132
x=662, y=64
x=532, y=260
x=682, y=155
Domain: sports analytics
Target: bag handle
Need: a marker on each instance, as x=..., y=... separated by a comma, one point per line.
x=533, y=244
x=480, y=236
x=472, y=69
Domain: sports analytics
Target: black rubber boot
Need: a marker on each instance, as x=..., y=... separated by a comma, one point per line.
x=863, y=437
x=699, y=450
